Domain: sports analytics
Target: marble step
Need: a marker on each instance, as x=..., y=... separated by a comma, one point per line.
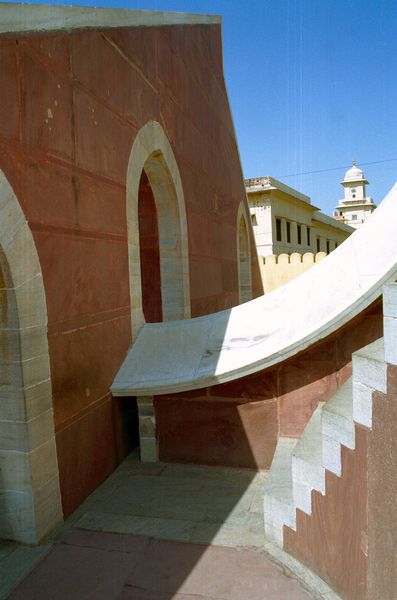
x=369, y=367
x=390, y=322
x=307, y=463
x=369, y=374
x=278, y=504
x=338, y=426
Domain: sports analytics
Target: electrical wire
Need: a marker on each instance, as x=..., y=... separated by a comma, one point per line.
x=364, y=164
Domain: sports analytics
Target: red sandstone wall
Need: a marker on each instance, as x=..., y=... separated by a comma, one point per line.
x=333, y=541
x=382, y=486
x=302, y=381
x=282, y=398
x=71, y=106
x=350, y=539
x=215, y=430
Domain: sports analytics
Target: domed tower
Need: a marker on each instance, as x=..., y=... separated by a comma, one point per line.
x=355, y=206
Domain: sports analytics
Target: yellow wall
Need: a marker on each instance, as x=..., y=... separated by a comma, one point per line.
x=278, y=270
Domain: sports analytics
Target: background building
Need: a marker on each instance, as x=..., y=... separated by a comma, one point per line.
x=285, y=221
x=355, y=207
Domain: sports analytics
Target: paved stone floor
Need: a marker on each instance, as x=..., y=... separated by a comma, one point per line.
x=155, y=532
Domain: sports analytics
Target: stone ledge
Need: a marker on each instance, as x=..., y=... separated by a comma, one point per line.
x=36, y=18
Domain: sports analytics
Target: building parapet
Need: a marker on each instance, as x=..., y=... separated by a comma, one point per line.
x=309, y=258
x=261, y=184
x=344, y=203
x=278, y=270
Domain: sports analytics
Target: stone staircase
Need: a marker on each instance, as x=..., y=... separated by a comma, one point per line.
x=299, y=465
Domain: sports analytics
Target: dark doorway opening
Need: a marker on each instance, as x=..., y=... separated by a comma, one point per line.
x=126, y=426
x=149, y=253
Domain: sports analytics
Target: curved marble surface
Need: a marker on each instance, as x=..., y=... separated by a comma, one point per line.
x=185, y=355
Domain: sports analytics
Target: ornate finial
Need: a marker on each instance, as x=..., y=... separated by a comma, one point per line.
x=354, y=162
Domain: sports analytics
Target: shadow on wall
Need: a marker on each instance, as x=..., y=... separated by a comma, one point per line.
x=217, y=430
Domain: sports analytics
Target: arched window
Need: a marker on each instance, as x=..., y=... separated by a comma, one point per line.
x=30, y=501
x=157, y=231
x=244, y=257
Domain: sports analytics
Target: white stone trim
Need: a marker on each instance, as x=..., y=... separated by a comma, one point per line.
x=390, y=322
x=29, y=18
x=244, y=271
x=30, y=499
x=152, y=152
x=148, y=443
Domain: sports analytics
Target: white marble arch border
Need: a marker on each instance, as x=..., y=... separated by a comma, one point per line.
x=152, y=152
x=30, y=499
x=244, y=271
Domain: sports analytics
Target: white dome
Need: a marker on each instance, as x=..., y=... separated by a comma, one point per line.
x=354, y=174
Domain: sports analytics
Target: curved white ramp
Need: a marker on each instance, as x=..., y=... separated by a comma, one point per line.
x=195, y=353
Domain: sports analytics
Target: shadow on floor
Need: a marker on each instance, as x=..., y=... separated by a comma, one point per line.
x=162, y=532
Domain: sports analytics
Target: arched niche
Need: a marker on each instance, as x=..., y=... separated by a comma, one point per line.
x=152, y=155
x=30, y=501
x=243, y=256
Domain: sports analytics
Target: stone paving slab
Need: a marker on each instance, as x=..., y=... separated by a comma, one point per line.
x=171, y=529
x=226, y=534
x=71, y=571
x=178, y=502
x=156, y=532
x=90, y=565
x=132, y=593
x=16, y=562
x=6, y=548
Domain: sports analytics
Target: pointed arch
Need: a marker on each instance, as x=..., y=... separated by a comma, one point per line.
x=152, y=154
x=243, y=256
x=30, y=500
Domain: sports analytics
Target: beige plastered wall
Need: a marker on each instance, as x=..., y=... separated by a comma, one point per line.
x=279, y=205
x=278, y=270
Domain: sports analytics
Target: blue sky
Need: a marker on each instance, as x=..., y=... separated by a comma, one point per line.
x=312, y=85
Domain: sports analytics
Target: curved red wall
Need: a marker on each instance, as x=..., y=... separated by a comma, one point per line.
x=72, y=104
